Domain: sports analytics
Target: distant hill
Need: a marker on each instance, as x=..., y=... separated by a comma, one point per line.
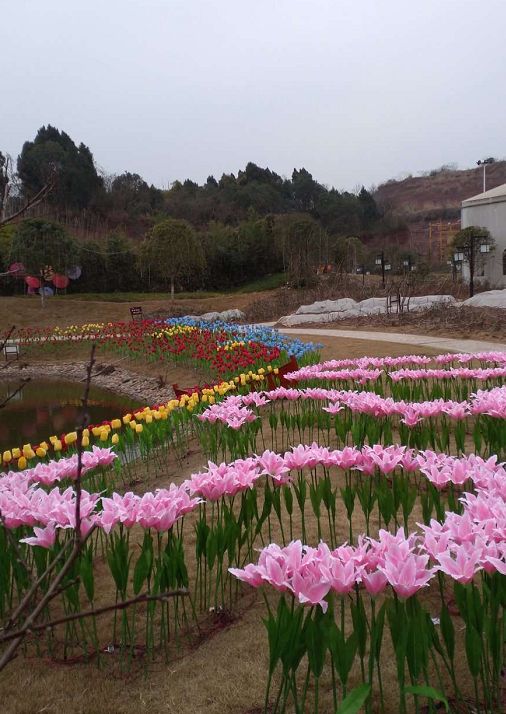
x=437, y=194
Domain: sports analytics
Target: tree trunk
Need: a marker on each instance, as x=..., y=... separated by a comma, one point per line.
x=172, y=289
x=41, y=288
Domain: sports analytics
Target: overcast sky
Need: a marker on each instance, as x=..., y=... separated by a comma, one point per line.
x=356, y=91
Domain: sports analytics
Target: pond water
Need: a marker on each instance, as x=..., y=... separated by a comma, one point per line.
x=46, y=407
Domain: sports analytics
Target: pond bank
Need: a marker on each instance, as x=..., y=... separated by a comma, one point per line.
x=146, y=390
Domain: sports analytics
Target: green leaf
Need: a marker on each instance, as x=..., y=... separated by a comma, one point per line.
x=140, y=573
x=448, y=631
x=315, y=643
x=429, y=693
x=353, y=702
x=288, y=496
x=473, y=650
x=86, y=573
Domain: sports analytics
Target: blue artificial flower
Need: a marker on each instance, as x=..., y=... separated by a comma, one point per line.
x=267, y=336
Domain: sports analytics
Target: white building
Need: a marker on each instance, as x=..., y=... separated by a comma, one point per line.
x=488, y=210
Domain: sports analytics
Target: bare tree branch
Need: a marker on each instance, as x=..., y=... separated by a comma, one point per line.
x=36, y=585
x=7, y=399
x=80, y=430
x=146, y=597
x=38, y=198
x=7, y=337
x=78, y=539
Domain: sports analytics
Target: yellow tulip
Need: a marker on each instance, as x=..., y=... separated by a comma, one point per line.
x=138, y=428
x=7, y=456
x=148, y=419
x=57, y=445
x=71, y=437
x=116, y=423
x=115, y=439
x=40, y=452
x=127, y=418
x=104, y=435
x=16, y=453
x=86, y=441
x=21, y=463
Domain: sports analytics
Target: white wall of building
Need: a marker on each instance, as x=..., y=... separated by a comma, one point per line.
x=490, y=215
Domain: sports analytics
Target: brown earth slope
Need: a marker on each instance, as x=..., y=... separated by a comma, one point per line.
x=439, y=194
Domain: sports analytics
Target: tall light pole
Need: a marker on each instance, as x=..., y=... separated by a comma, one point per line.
x=484, y=162
x=469, y=250
x=380, y=262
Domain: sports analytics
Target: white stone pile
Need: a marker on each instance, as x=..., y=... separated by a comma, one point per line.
x=225, y=316
x=334, y=310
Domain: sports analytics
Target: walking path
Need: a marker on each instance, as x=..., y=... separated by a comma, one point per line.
x=443, y=344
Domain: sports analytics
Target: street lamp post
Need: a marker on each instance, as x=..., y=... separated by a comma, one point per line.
x=468, y=252
x=484, y=162
x=408, y=264
x=380, y=261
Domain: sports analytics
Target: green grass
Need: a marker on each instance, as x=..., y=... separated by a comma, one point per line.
x=268, y=282
x=137, y=297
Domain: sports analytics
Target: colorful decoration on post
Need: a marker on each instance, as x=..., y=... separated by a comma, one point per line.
x=60, y=281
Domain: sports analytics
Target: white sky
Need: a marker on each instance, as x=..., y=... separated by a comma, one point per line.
x=356, y=91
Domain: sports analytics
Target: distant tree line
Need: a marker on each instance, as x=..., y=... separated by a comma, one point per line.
x=234, y=229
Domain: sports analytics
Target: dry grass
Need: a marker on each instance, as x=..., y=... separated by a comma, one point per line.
x=27, y=311
x=466, y=322
x=285, y=301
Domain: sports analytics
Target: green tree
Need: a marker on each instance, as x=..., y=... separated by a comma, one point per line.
x=369, y=208
x=121, y=264
x=131, y=195
x=348, y=253
x=305, y=190
x=42, y=246
x=173, y=252
x=54, y=151
x=93, y=261
x=301, y=239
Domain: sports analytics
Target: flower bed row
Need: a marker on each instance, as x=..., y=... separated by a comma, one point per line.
x=220, y=349
x=249, y=499
x=352, y=417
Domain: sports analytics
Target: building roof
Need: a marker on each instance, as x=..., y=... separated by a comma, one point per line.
x=494, y=195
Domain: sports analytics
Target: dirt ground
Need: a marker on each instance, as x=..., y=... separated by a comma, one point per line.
x=225, y=674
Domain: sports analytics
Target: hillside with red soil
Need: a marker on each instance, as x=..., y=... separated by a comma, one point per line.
x=438, y=194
